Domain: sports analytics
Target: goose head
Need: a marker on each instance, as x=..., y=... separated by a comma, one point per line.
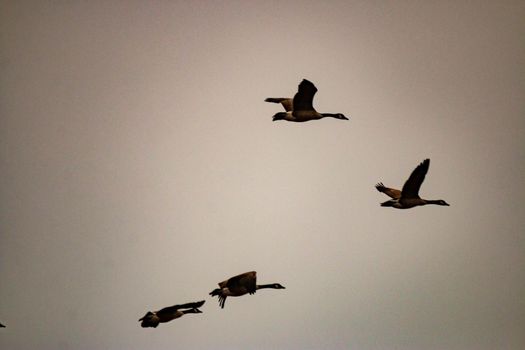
x=340, y=116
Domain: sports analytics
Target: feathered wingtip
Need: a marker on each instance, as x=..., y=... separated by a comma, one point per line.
x=279, y=116
x=307, y=85
x=380, y=187
x=222, y=299
x=198, y=304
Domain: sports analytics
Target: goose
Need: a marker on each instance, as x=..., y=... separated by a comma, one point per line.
x=300, y=108
x=240, y=285
x=408, y=197
x=152, y=319
x=2, y=326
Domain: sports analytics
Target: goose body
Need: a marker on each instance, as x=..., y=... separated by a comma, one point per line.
x=245, y=283
x=408, y=197
x=152, y=319
x=300, y=108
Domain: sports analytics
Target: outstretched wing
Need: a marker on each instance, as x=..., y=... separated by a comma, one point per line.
x=303, y=99
x=149, y=320
x=391, y=192
x=147, y=315
x=174, y=308
x=287, y=103
x=412, y=185
x=246, y=281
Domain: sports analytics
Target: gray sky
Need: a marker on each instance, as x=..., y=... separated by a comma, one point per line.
x=140, y=167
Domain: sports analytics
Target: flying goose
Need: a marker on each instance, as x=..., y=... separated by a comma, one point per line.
x=240, y=285
x=408, y=197
x=152, y=319
x=300, y=108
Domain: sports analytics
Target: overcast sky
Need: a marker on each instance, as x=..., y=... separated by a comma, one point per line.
x=140, y=167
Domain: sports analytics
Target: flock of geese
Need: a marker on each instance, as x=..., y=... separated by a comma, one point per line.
x=297, y=109
x=236, y=286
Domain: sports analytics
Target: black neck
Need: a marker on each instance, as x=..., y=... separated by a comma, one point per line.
x=263, y=286
x=335, y=115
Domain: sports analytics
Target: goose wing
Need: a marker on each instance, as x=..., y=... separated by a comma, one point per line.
x=287, y=103
x=412, y=185
x=146, y=316
x=245, y=282
x=174, y=308
x=149, y=320
x=303, y=99
x=391, y=192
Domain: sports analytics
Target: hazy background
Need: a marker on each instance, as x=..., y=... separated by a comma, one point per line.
x=140, y=166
